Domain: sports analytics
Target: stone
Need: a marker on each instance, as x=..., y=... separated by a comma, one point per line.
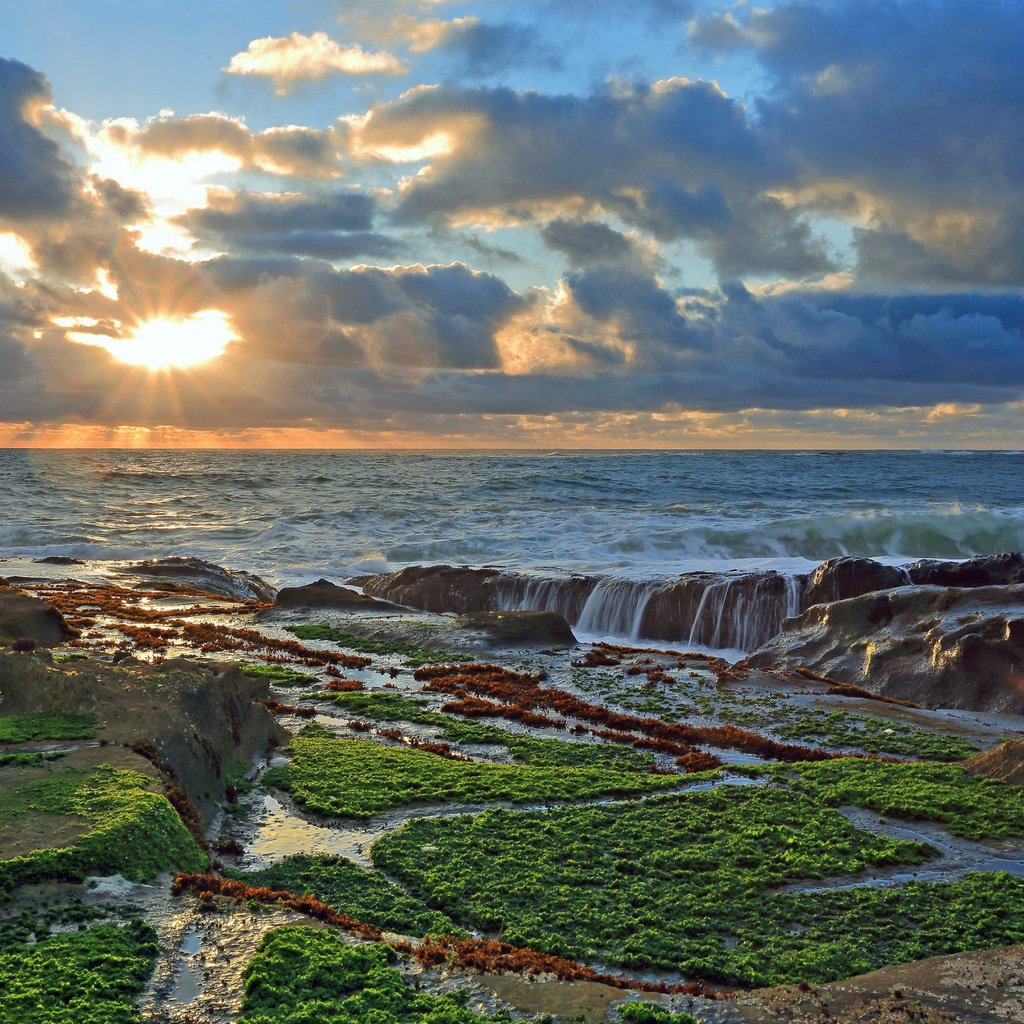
x=198, y=574
x=25, y=617
x=324, y=594
x=841, y=578
x=936, y=646
x=521, y=629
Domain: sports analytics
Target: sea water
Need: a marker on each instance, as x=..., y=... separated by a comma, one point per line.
x=292, y=516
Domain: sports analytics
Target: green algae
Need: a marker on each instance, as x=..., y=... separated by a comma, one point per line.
x=86, y=977
x=413, y=654
x=358, y=779
x=120, y=827
x=47, y=725
x=301, y=975
x=841, y=729
x=389, y=707
x=349, y=889
x=971, y=806
x=687, y=882
x=278, y=674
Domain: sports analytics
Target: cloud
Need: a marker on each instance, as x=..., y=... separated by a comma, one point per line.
x=331, y=226
x=679, y=159
x=289, y=150
x=299, y=58
x=478, y=49
x=910, y=107
x=36, y=179
x=585, y=242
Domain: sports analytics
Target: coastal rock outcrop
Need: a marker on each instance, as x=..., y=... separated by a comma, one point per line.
x=436, y=588
x=939, y=647
x=840, y=578
x=324, y=594
x=24, y=616
x=982, y=571
x=186, y=571
x=737, y=609
x=521, y=629
x=1004, y=762
x=200, y=724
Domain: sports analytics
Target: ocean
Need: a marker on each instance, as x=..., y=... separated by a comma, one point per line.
x=293, y=516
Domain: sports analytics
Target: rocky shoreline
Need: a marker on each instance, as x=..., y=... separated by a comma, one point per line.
x=174, y=715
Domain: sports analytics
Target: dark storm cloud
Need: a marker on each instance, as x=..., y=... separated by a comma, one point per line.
x=643, y=310
x=326, y=245
x=36, y=179
x=412, y=317
x=247, y=213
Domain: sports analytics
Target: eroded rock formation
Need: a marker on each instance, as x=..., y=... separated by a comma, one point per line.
x=936, y=646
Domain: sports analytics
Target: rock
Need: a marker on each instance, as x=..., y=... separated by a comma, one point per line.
x=201, y=575
x=201, y=721
x=59, y=560
x=983, y=571
x=734, y=609
x=740, y=609
x=1004, y=762
x=324, y=594
x=939, y=647
x=437, y=588
x=840, y=578
x=521, y=629
x=24, y=616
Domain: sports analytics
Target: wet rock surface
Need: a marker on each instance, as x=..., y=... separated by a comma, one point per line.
x=23, y=616
x=198, y=574
x=201, y=724
x=842, y=578
x=965, y=988
x=935, y=646
x=983, y=571
x=324, y=594
x=1005, y=762
x=520, y=629
x=436, y=588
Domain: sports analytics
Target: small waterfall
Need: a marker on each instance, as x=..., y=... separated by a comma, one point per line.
x=565, y=595
x=744, y=610
x=616, y=607
x=734, y=610
x=794, y=595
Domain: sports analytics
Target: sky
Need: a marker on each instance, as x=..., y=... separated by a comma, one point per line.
x=422, y=223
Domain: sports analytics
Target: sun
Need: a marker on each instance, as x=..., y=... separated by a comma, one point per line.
x=167, y=343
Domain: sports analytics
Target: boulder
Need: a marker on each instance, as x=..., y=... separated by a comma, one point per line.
x=324, y=594
x=197, y=574
x=939, y=647
x=437, y=588
x=521, y=629
x=983, y=571
x=841, y=578
x=24, y=616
